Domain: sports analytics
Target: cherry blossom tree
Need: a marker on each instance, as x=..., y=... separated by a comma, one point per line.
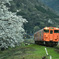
x=11, y=27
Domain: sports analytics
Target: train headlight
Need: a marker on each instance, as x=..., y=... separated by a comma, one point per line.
x=56, y=28
x=46, y=28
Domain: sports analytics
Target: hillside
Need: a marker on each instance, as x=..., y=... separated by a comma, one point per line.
x=37, y=14
x=54, y=4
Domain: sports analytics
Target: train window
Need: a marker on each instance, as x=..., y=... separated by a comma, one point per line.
x=56, y=31
x=46, y=31
x=51, y=32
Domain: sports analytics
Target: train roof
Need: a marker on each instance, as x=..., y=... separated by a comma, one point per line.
x=55, y=28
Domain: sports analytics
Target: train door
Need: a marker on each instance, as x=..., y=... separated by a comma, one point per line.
x=51, y=35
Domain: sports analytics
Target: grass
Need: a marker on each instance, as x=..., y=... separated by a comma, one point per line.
x=29, y=52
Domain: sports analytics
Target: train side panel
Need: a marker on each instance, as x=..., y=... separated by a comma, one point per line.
x=39, y=35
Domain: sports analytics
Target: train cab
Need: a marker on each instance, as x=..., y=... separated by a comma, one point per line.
x=51, y=34
x=48, y=36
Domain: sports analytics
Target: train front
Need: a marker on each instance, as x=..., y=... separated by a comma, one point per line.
x=51, y=36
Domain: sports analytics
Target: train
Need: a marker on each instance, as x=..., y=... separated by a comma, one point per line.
x=48, y=36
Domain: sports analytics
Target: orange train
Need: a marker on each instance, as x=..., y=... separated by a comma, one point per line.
x=47, y=36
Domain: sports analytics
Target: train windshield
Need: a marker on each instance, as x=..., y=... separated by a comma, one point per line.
x=56, y=31
x=46, y=31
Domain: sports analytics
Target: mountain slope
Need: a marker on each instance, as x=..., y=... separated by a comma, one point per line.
x=54, y=4
x=35, y=12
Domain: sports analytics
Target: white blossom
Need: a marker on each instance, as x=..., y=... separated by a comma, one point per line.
x=11, y=27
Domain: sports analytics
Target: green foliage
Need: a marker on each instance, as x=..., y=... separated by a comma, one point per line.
x=21, y=13
x=29, y=52
x=36, y=28
x=51, y=14
x=41, y=9
x=35, y=12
